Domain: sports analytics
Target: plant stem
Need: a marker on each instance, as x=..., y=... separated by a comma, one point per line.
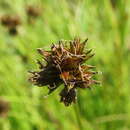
x=77, y=113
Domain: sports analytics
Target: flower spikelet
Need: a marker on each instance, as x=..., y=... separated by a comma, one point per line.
x=4, y=107
x=65, y=64
x=33, y=12
x=11, y=22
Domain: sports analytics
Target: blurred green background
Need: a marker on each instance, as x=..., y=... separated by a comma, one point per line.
x=106, y=23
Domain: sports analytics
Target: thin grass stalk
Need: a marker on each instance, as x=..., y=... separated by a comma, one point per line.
x=122, y=23
x=78, y=116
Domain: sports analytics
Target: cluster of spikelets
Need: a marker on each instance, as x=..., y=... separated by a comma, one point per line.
x=12, y=22
x=4, y=107
x=65, y=65
x=33, y=13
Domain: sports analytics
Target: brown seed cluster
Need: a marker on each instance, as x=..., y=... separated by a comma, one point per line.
x=65, y=65
x=11, y=22
x=4, y=108
x=33, y=13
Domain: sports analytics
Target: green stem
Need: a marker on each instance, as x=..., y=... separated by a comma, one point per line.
x=78, y=117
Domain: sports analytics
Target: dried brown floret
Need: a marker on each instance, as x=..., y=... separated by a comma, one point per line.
x=4, y=107
x=11, y=22
x=65, y=65
x=68, y=96
x=33, y=12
